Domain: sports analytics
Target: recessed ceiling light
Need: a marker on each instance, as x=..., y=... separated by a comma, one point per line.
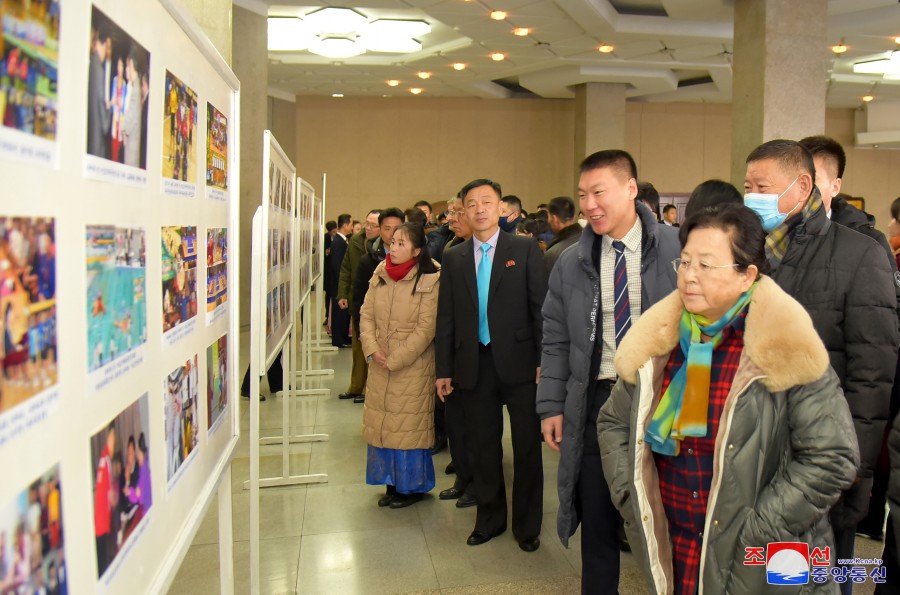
x=605, y=48
x=498, y=15
x=337, y=94
x=498, y=56
x=459, y=66
x=423, y=75
x=393, y=83
x=897, y=39
x=867, y=98
x=521, y=31
x=839, y=48
x=415, y=90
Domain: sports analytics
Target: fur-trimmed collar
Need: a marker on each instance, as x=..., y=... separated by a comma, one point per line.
x=779, y=338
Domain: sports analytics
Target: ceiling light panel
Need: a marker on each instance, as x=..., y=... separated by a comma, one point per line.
x=398, y=28
x=339, y=21
x=336, y=47
x=395, y=45
x=288, y=34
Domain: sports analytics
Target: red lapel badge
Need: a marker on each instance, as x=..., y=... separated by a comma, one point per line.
x=510, y=263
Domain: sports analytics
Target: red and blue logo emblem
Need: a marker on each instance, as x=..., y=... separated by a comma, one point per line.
x=787, y=563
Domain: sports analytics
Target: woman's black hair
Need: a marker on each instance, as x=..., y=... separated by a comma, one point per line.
x=895, y=209
x=142, y=443
x=416, y=236
x=711, y=193
x=744, y=228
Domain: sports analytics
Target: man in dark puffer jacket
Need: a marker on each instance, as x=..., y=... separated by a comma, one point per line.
x=844, y=282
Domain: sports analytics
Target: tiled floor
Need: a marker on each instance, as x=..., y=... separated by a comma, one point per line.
x=332, y=538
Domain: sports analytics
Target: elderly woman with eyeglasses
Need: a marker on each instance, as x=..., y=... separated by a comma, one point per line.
x=727, y=430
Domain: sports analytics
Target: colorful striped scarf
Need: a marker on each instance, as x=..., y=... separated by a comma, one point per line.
x=683, y=408
x=779, y=238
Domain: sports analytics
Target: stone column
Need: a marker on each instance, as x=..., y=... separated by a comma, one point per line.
x=214, y=17
x=250, y=65
x=780, y=74
x=599, y=118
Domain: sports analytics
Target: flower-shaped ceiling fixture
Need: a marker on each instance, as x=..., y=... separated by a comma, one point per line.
x=343, y=33
x=888, y=66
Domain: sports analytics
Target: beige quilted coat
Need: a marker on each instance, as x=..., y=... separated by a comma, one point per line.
x=399, y=409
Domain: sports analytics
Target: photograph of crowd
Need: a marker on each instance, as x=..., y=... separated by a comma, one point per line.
x=216, y=379
x=179, y=122
x=32, y=556
x=216, y=268
x=181, y=394
x=123, y=492
x=318, y=231
x=118, y=86
x=116, y=292
x=179, y=275
x=216, y=148
x=28, y=307
x=29, y=58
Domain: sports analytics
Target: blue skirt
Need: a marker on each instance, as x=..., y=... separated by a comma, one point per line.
x=410, y=471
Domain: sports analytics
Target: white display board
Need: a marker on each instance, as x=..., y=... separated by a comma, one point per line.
x=305, y=228
x=318, y=234
x=277, y=283
x=118, y=416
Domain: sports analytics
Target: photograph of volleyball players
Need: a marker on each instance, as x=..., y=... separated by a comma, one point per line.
x=181, y=394
x=179, y=122
x=31, y=539
x=179, y=275
x=119, y=65
x=116, y=260
x=123, y=492
x=216, y=148
x=29, y=60
x=27, y=308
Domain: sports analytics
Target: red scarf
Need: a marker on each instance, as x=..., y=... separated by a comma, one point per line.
x=398, y=271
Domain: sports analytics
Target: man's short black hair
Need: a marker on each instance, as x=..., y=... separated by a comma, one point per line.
x=374, y=212
x=391, y=212
x=329, y=225
x=562, y=207
x=648, y=195
x=344, y=219
x=668, y=208
x=478, y=184
x=512, y=201
x=615, y=158
x=827, y=148
x=417, y=216
x=423, y=203
x=792, y=158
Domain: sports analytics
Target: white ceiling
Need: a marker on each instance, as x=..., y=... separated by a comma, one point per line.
x=652, y=52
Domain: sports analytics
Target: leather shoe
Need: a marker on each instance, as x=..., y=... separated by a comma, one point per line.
x=386, y=500
x=450, y=494
x=450, y=470
x=404, y=500
x=439, y=444
x=477, y=538
x=344, y=396
x=530, y=545
x=466, y=500
x=359, y=399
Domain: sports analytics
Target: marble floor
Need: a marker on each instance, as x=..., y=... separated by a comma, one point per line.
x=332, y=538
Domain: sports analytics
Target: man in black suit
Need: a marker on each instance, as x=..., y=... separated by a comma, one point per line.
x=340, y=318
x=488, y=348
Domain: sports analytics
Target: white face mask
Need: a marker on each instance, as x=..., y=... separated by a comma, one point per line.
x=766, y=206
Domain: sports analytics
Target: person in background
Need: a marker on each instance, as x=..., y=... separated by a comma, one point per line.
x=438, y=238
x=894, y=227
x=597, y=289
x=397, y=325
x=510, y=213
x=99, y=108
x=487, y=356
x=330, y=230
x=417, y=217
x=104, y=498
x=841, y=278
x=681, y=436
x=670, y=216
x=648, y=195
x=561, y=218
x=355, y=251
x=357, y=227
x=535, y=229
x=711, y=193
x=425, y=207
x=340, y=320
x=442, y=218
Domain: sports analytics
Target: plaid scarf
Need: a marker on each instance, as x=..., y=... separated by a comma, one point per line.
x=778, y=240
x=682, y=411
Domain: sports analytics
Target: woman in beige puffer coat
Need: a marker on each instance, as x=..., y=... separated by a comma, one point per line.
x=396, y=329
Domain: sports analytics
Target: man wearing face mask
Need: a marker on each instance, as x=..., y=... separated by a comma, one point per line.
x=842, y=279
x=510, y=213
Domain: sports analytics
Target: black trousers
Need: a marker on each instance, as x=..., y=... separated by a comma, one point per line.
x=483, y=411
x=340, y=325
x=275, y=376
x=457, y=434
x=891, y=563
x=593, y=505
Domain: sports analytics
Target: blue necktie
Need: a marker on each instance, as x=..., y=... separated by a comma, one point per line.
x=484, y=283
x=622, y=308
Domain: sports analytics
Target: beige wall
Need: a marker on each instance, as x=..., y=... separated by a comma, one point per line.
x=283, y=124
x=250, y=66
x=214, y=17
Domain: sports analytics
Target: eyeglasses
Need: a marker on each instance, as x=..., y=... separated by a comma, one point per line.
x=682, y=266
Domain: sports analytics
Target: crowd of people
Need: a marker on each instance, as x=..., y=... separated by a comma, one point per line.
x=713, y=380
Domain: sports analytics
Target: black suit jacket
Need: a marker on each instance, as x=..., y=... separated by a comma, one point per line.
x=335, y=260
x=516, y=294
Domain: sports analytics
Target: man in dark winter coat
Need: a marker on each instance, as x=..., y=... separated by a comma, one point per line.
x=842, y=279
x=561, y=218
x=622, y=242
